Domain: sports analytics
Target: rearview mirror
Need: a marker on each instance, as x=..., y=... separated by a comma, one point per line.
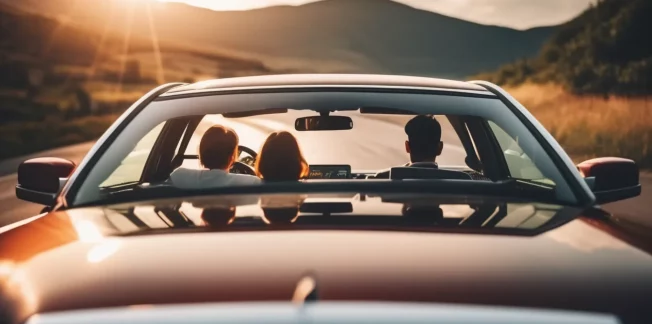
x=323, y=123
x=611, y=179
x=40, y=179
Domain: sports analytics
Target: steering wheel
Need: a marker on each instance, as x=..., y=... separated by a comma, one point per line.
x=241, y=167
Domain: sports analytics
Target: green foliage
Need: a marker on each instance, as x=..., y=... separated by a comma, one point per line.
x=23, y=138
x=606, y=50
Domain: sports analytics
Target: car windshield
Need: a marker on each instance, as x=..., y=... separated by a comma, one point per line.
x=188, y=143
x=324, y=211
x=363, y=148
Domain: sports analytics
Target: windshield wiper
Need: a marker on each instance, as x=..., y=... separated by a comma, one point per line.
x=120, y=185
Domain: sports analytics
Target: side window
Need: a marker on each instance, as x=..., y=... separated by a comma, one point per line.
x=131, y=167
x=519, y=164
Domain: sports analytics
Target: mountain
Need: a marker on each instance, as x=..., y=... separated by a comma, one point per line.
x=326, y=36
x=38, y=49
x=605, y=50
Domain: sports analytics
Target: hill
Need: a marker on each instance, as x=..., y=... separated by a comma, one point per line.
x=327, y=36
x=606, y=51
x=42, y=58
x=62, y=83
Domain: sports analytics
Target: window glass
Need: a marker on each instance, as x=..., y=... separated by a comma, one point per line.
x=131, y=167
x=520, y=165
x=376, y=142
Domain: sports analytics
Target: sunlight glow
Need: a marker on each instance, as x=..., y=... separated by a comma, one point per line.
x=18, y=287
x=100, y=46
x=125, y=46
x=87, y=231
x=519, y=14
x=64, y=21
x=160, y=74
x=103, y=250
x=228, y=5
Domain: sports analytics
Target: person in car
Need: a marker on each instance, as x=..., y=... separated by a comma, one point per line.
x=218, y=150
x=218, y=216
x=424, y=143
x=280, y=159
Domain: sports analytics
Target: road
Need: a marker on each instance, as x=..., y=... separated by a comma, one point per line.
x=374, y=143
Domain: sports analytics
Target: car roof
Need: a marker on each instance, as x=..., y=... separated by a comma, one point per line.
x=326, y=80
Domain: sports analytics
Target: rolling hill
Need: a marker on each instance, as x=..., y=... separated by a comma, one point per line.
x=605, y=51
x=327, y=36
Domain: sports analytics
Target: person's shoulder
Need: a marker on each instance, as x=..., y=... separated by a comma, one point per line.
x=244, y=179
x=180, y=172
x=383, y=174
x=183, y=177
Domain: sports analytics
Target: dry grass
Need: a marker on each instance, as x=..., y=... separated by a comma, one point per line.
x=592, y=126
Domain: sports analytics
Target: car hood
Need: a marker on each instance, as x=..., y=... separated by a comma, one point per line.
x=575, y=263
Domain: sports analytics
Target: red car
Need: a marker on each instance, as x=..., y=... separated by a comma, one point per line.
x=501, y=228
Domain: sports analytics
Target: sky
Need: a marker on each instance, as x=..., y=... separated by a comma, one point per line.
x=519, y=14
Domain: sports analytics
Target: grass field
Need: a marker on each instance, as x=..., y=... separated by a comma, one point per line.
x=592, y=126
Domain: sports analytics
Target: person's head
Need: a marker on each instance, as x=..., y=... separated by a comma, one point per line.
x=422, y=214
x=218, y=148
x=281, y=216
x=218, y=216
x=424, y=139
x=280, y=159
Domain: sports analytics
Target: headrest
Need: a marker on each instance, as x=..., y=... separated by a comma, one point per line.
x=401, y=173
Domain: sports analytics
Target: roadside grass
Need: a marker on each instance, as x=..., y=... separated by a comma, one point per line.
x=590, y=126
x=23, y=138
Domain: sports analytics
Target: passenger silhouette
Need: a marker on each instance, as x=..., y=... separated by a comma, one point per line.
x=282, y=208
x=280, y=159
x=422, y=214
x=218, y=150
x=218, y=216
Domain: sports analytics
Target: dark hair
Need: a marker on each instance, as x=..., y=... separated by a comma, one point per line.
x=280, y=159
x=424, y=135
x=218, y=216
x=218, y=147
x=277, y=216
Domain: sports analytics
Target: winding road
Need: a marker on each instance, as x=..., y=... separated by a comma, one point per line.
x=376, y=142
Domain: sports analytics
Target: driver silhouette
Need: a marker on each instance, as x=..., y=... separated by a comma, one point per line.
x=218, y=150
x=424, y=143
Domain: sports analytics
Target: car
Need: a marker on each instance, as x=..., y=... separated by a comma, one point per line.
x=505, y=229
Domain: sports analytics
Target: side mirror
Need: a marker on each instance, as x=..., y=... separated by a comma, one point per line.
x=611, y=179
x=40, y=179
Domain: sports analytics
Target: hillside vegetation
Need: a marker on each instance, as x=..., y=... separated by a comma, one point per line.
x=604, y=51
x=359, y=36
x=66, y=84
x=591, y=126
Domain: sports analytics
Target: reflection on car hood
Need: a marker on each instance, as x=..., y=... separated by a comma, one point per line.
x=430, y=248
x=320, y=211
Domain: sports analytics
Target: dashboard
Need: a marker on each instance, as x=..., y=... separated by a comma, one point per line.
x=321, y=171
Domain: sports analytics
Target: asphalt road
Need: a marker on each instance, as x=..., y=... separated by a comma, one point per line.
x=374, y=143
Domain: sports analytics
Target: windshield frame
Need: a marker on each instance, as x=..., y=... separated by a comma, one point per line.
x=446, y=103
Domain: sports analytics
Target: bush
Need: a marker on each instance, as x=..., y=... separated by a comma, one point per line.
x=604, y=51
x=23, y=138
